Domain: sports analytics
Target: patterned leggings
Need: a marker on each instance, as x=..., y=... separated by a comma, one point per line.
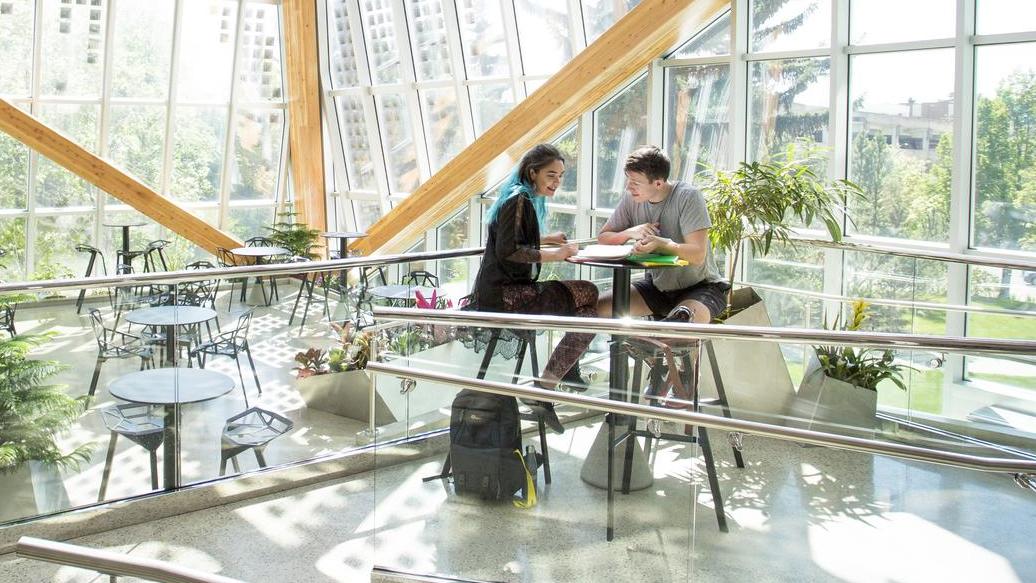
x=560, y=298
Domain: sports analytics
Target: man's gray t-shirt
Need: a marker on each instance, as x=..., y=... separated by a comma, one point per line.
x=683, y=211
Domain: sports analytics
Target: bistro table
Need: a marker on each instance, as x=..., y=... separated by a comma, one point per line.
x=594, y=471
x=399, y=292
x=125, y=251
x=169, y=317
x=170, y=387
x=258, y=255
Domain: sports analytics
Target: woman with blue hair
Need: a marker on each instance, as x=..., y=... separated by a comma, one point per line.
x=507, y=279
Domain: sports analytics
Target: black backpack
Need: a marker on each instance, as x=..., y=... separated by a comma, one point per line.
x=486, y=447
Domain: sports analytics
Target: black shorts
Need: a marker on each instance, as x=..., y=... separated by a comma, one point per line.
x=713, y=294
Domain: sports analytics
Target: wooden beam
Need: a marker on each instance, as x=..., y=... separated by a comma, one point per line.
x=305, y=143
x=99, y=172
x=624, y=50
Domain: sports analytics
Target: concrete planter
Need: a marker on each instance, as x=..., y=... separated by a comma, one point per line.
x=830, y=405
x=33, y=488
x=346, y=394
x=754, y=374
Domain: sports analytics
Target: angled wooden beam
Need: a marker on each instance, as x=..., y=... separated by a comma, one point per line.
x=99, y=172
x=305, y=144
x=623, y=50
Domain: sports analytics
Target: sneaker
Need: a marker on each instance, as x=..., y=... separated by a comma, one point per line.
x=680, y=314
x=546, y=411
x=573, y=381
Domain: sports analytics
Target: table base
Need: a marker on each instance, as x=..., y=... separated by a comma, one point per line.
x=595, y=466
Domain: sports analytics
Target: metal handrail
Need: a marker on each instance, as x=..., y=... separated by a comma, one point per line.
x=627, y=327
x=111, y=563
x=1023, y=264
x=860, y=444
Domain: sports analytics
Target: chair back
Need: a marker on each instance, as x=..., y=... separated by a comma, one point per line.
x=158, y=244
x=421, y=277
x=84, y=248
x=367, y=275
x=244, y=321
x=196, y=293
x=224, y=257
x=100, y=330
x=259, y=242
x=201, y=264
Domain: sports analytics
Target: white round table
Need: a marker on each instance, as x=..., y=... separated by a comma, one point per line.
x=170, y=387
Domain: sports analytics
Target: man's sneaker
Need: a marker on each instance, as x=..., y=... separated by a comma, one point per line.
x=574, y=381
x=680, y=314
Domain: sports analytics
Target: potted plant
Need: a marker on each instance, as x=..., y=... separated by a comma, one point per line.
x=33, y=413
x=336, y=381
x=295, y=236
x=761, y=202
x=840, y=387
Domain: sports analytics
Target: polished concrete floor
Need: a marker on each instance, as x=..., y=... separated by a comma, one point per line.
x=795, y=514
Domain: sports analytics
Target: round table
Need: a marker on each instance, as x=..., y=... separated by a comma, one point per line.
x=169, y=317
x=258, y=254
x=399, y=291
x=595, y=470
x=343, y=240
x=125, y=226
x=170, y=387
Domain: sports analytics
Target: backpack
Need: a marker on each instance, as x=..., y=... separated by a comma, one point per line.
x=486, y=448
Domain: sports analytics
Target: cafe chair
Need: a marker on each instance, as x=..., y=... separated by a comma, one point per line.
x=421, y=277
x=112, y=343
x=309, y=281
x=252, y=429
x=226, y=259
x=153, y=256
x=364, y=303
x=96, y=258
x=143, y=425
x=231, y=343
x=259, y=242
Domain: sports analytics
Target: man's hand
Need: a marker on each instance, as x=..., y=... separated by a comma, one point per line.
x=652, y=244
x=557, y=238
x=642, y=231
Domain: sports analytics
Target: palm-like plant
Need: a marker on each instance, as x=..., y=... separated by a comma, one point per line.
x=761, y=201
x=32, y=411
x=861, y=367
x=292, y=234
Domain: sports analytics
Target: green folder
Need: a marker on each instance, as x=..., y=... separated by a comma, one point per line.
x=654, y=259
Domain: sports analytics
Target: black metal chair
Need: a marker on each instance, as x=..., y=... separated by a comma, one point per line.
x=7, y=318
x=259, y=242
x=368, y=275
x=231, y=344
x=115, y=344
x=421, y=277
x=96, y=257
x=309, y=281
x=154, y=255
x=143, y=425
x=226, y=259
x=252, y=429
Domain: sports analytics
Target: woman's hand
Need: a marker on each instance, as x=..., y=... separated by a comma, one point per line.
x=557, y=238
x=559, y=253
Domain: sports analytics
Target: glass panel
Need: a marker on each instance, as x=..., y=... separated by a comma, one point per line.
x=340, y=44
x=1002, y=289
x=789, y=105
x=257, y=154
x=714, y=40
x=544, y=35
x=14, y=173
x=400, y=150
x=902, y=153
x=12, y=240
x=249, y=221
x=600, y=15
x=260, y=70
x=136, y=137
x=619, y=127
x=198, y=143
x=353, y=127
x=568, y=143
x=142, y=43
x=566, y=223
x=367, y=213
x=1005, y=142
x=876, y=276
x=482, y=34
x=431, y=51
x=16, y=20
x=1001, y=16
x=489, y=103
x=209, y=39
x=55, y=186
x=453, y=273
x=870, y=20
x=787, y=25
x=56, y=239
x=73, y=49
x=382, y=50
x=697, y=102
x=443, y=129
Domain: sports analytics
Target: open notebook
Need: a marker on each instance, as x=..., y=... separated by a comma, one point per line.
x=615, y=252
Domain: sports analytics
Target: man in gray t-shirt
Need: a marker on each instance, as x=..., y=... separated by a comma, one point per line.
x=668, y=218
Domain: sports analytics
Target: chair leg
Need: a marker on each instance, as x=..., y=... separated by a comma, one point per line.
x=223, y=463
x=259, y=458
x=242, y=377
x=82, y=292
x=710, y=470
x=543, y=445
x=309, y=300
x=721, y=394
x=108, y=459
x=97, y=375
x=237, y=466
x=291, y=319
x=154, y=468
x=251, y=362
